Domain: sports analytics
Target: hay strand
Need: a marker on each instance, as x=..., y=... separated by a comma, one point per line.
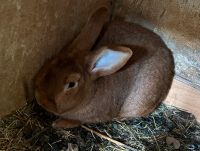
x=109, y=139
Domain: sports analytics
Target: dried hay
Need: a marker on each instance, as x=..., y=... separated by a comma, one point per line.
x=30, y=129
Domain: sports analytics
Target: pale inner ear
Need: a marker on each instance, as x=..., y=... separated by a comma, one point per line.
x=110, y=60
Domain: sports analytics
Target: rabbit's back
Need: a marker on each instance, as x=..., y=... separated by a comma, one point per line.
x=144, y=82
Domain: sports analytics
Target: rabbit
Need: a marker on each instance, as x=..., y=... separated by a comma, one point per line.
x=113, y=70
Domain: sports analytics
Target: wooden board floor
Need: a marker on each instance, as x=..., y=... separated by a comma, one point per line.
x=184, y=97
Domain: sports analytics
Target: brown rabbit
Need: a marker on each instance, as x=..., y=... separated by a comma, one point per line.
x=112, y=70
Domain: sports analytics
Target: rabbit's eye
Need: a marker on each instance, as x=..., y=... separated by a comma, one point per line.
x=70, y=85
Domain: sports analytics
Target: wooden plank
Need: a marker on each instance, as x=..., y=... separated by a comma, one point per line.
x=184, y=97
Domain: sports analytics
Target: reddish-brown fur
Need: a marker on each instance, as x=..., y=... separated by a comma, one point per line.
x=135, y=90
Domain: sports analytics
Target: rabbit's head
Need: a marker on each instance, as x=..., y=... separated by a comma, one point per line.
x=67, y=81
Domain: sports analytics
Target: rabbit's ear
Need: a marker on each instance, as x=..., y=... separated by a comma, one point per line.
x=107, y=60
x=90, y=32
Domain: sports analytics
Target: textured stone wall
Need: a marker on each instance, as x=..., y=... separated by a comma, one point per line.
x=30, y=32
x=177, y=22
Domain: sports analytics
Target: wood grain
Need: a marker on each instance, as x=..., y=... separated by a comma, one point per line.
x=184, y=97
